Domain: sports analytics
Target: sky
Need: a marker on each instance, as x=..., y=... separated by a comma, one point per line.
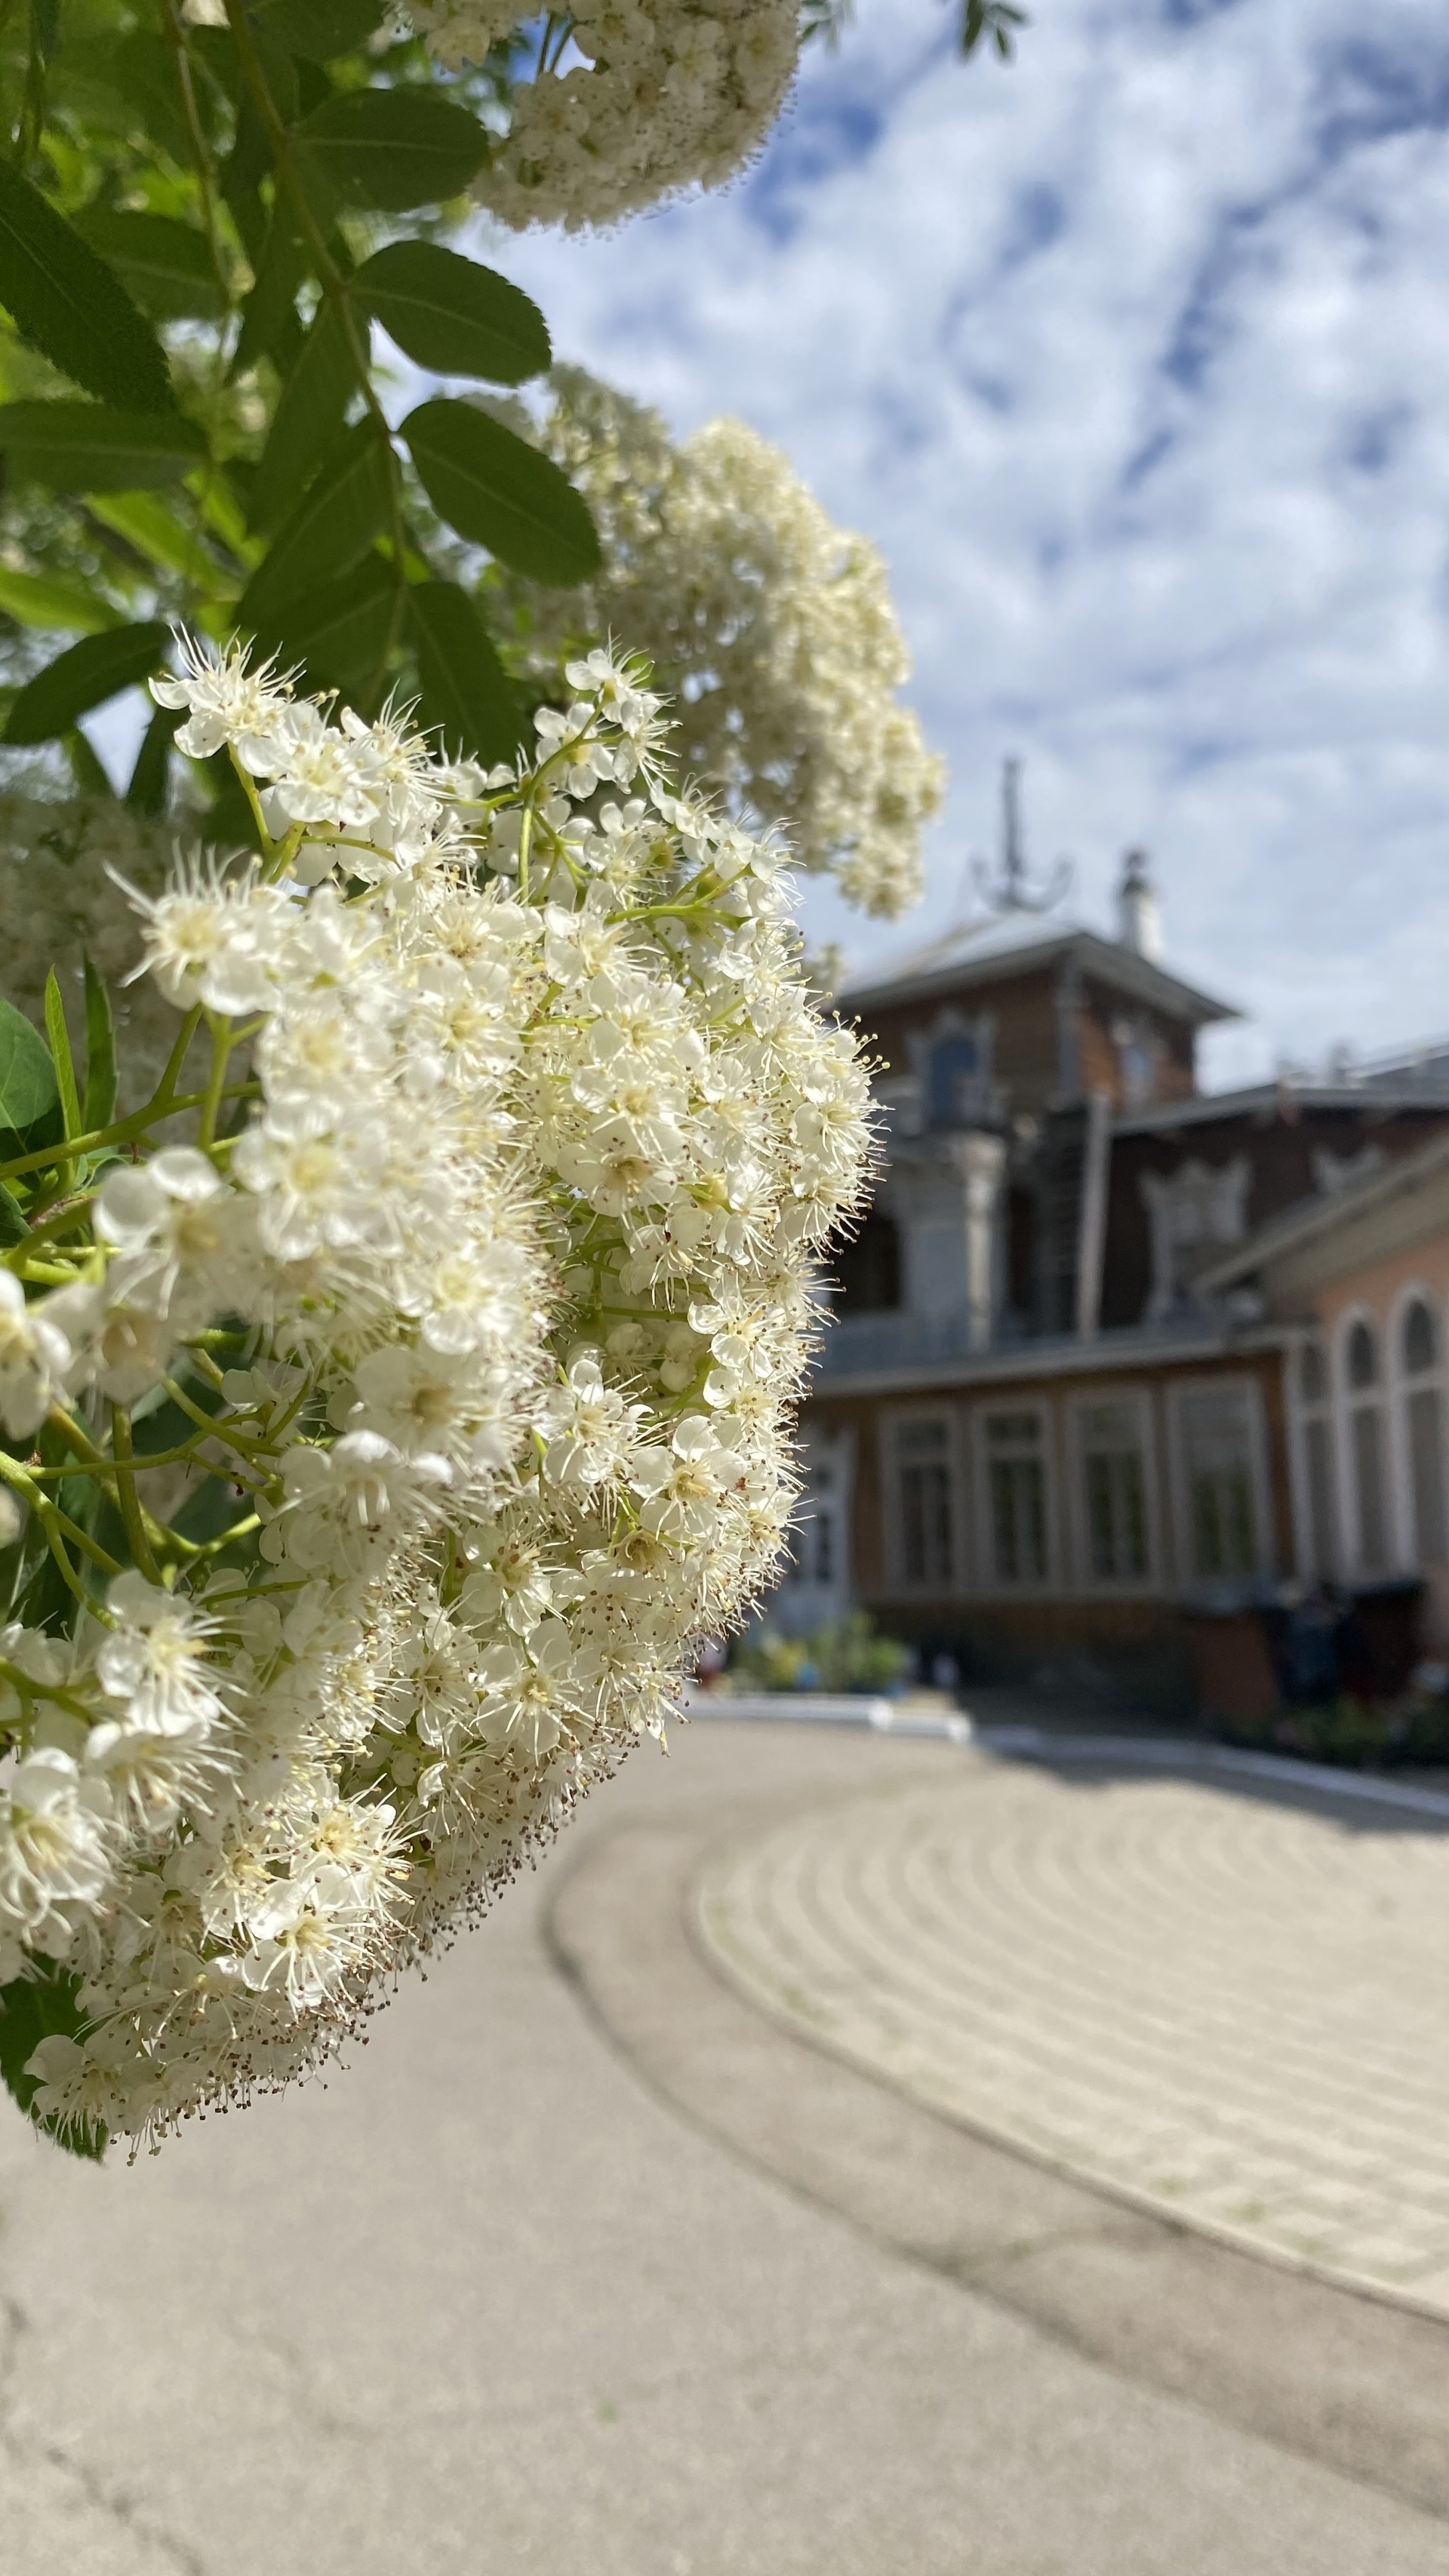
x=1133, y=358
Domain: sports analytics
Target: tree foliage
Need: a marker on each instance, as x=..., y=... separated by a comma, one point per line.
x=199, y=256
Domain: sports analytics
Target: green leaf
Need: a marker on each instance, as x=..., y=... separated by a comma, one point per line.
x=269, y=316
x=392, y=149
x=143, y=69
x=465, y=690
x=13, y=1227
x=321, y=29
x=153, y=528
x=81, y=447
x=501, y=493
x=166, y=265
x=451, y=315
x=71, y=306
x=342, y=630
x=333, y=524
x=43, y=2006
x=90, y=774
x=59, y=1036
x=32, y=599
x=146, y=793
x=97, y=668
x=99, y=1104
x=314, y=399
x=29, y=1093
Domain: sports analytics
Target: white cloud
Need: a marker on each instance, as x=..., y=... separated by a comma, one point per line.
x=1135, y=360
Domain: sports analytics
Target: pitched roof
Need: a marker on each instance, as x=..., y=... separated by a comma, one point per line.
x=1260, y=1100
x=1019, y=943
x=1319, y=1216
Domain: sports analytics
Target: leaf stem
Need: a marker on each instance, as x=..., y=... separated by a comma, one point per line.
x=126, y=1131
x=127, y=1498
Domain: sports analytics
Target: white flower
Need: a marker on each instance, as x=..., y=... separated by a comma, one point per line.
x=682, y=1485
x=33, y=1355
x=660, y=96
x=231, y=706
x=155, y=1659
x=56, y=1840
x=344, y=1504
x=319, y=775
x=123, y=1349
x=212, y=936
x=173, y=1223
x=310, y=1933
x=520, y=1180
x=591, y=1432
x=427, y=1402
x=773, y=628
x=75, y=2084
x=153, y=1772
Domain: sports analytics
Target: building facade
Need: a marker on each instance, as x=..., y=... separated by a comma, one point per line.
x=1061, y=1402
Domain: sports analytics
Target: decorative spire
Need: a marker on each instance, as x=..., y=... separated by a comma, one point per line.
x=1012, y=891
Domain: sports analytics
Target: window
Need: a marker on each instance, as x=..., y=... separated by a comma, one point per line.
x=1016, y=1495
x=1363, y=1357
x=1114, y=1491
x=1217, y=1427
x=927, y=1533
x=952, y=1061
x=1419, y=1348
x=1320, y=1498
x=1366, y=1446
x=1313, y=1374
x=823, y=1533
x=868, y=1269
x=1420, y=1339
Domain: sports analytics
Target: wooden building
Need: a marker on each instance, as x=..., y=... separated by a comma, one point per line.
x=1056, y=1405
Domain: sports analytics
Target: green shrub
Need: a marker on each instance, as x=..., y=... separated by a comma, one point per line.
x=844, y=1655
x=1356, y=1734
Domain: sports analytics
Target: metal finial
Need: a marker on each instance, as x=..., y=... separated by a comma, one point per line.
x=1011, y=891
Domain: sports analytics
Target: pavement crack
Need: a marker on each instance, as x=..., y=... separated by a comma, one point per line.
x=303, y=2390
x=87, y=2483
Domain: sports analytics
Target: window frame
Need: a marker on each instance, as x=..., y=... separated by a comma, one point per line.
x=1350, y=1403
x=1243, y=1382
x=1302, y=1417
x=893, y=1462
x=1400, y=1388
x=989, y=1580
x=1120, y=1586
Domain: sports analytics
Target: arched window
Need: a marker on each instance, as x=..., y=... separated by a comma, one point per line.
x=1419, y=1348
x=1319, y=1486
x=1366, y=1446
x=1363, y=1356
x=1420, y=1336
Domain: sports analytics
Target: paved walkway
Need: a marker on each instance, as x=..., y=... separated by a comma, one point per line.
x=522, y=2292
x=1231, y=2006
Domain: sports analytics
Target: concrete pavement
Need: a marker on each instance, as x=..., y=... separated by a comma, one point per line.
x=563, y=2276
x=1224, y=1996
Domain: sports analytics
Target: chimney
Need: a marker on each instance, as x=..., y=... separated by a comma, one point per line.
x=1139, y=925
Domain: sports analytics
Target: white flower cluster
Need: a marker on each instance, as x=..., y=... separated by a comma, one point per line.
x=478, y=1323
x=773, y=629
x=617, y=104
